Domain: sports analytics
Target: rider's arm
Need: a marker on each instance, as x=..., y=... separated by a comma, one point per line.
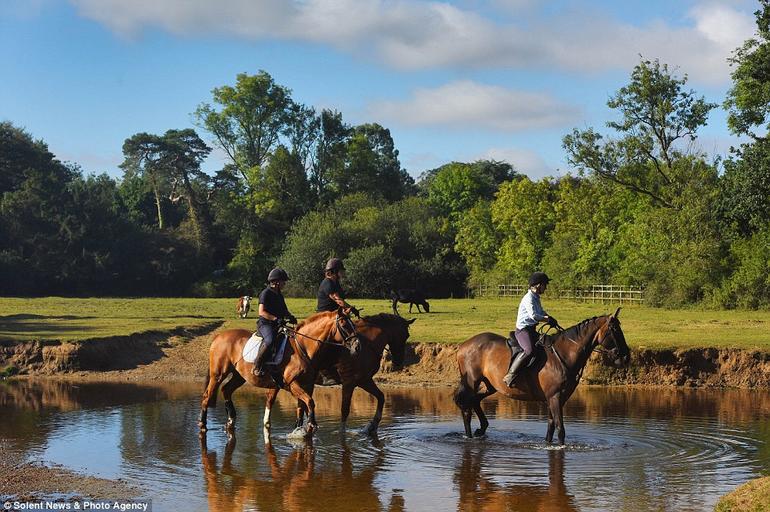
x=339, y=300
x=266, y=314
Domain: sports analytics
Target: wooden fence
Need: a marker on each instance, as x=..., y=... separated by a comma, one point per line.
x=604, y=293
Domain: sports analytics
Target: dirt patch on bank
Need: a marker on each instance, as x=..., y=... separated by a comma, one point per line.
x=97, y=354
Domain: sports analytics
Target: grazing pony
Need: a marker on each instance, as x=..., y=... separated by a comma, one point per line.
x=411, y=297
x=484, y=359
x=376, y=332
x=323, y=336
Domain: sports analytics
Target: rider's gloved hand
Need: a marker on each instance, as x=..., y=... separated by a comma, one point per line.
x=552, y=322
x=292, y=319
x=354, y=311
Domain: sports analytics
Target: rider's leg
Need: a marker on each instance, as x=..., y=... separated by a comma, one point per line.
x=267, y=331
x=526, y=340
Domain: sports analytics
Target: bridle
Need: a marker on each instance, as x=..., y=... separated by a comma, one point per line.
x=594, y=346
x=347, y=332
x=598, y=344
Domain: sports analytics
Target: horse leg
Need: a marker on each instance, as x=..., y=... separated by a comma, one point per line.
x=370, y=387
x=272, y=394
x=555, y=407
x=298, y=391
x=551, y=427
x=300, y=414
x=227, y=392
x=483, y=421
x=467, y=417
x=347, y=396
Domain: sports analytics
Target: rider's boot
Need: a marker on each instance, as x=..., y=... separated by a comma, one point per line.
x=516, y=365
x=260, y=360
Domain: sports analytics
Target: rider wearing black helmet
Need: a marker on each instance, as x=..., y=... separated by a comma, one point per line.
x=330, y=293
x=272, y=309
x=530, y=314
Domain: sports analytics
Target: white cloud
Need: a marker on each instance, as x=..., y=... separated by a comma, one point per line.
x=467, y=105
x=523, y=161
x=416, y=34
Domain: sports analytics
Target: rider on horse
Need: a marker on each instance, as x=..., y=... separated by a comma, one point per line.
x=272, y=309
x=530, y=314
x=330, y=294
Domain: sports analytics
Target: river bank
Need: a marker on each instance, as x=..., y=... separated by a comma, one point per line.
x=182, y=355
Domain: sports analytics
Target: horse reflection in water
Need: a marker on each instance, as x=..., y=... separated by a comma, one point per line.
x=478, y=493
x=295, y=484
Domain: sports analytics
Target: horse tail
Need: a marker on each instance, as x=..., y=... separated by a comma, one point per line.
x=212, y=399
x=464, y=396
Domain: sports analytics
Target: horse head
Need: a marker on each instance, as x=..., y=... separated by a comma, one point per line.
x=610, y=337
x=397, y=337
x=345, y=332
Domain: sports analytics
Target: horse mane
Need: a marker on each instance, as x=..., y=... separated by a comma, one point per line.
x=381, y=319
x=574, y=331
x=312, y=318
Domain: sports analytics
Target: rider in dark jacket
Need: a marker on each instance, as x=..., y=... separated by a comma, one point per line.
x=272, y=309
x=330, y=294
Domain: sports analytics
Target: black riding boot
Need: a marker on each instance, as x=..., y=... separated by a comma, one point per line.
x=260, y=360
x=516, y=365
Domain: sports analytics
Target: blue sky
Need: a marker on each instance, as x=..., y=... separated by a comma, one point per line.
x=461, y=80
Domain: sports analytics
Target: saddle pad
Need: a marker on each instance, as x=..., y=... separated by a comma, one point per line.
x=251, y=349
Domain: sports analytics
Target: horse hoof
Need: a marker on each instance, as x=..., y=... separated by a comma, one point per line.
x=370, y=429
x=479, y=433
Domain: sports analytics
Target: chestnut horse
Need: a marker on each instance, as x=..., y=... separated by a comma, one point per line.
x=358, y=370
x=323, y=336
x=485, y=358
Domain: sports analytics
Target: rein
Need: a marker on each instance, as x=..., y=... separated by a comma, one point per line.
x=592, y=346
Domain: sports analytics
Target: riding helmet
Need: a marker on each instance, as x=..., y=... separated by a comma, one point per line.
x=334, y=265
x=538, y=277
x=277, y=274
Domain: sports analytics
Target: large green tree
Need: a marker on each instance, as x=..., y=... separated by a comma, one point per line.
x=247, y=119
x=648, y=157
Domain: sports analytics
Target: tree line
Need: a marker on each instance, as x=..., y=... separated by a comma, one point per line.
x=641, y=206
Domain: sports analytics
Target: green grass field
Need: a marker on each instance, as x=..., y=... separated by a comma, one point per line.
x=450, y=320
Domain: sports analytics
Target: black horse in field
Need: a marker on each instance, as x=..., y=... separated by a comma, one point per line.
x=411, y=297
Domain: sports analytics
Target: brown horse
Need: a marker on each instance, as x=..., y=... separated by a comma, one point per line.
x=322, y=337
x=485, y=359
x=358, y=370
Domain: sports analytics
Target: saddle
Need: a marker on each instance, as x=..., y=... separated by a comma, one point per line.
x=538, y=352
x=274, y=354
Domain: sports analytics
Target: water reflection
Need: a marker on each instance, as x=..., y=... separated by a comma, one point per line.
x=480, y=493
x=629, y=449
x=295, y=482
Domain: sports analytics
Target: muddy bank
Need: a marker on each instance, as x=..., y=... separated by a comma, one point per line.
x=24, y=480
x=430, y=364
x=98, y=354
x=182, y=355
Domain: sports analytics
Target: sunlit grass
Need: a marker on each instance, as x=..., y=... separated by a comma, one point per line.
x=450, y=320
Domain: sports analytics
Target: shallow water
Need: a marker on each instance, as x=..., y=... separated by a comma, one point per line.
x=635, y=450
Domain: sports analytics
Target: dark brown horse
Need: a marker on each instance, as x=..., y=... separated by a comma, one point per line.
x=484, y=359
x=376, y=332
x=321, y=337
